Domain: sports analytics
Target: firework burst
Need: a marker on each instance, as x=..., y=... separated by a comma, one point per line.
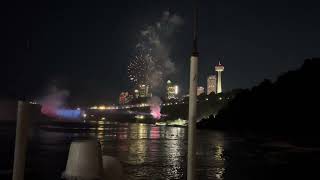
x=140, y=67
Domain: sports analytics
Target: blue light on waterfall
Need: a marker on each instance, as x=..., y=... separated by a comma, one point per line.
x=68, y=114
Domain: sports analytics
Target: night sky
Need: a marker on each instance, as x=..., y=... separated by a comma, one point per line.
x=84, y=46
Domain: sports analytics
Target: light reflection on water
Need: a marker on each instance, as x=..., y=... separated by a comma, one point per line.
x=219, y=156
x=174, y=151
x=146, y=149
x=152, y=152
x=159, y=152
x=137, y=145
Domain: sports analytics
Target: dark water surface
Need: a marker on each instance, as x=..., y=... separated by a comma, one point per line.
x=159, y=152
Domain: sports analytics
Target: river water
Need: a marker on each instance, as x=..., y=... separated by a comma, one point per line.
x=159, y=152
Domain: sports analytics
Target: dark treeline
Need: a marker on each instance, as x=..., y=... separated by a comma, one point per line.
x=287, y=108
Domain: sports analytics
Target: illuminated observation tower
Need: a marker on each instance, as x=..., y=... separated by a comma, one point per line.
x=219, y=68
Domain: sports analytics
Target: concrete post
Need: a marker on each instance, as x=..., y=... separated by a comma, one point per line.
x=84, y=161
x=23, y=123
x=192, y=117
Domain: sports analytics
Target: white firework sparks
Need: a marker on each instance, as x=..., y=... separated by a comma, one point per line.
x=140, y=67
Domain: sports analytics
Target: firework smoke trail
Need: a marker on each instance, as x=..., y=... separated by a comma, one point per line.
x=153, y=64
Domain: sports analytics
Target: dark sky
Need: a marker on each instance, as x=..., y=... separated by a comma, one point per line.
x=85, y=45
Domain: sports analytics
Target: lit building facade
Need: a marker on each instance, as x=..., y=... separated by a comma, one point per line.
x=172, y=90
x=144, y=91
x=129, y=98
x=123, y=97
x=136, y=93
x=219, y=69
x=211, y=84
x=200, y=90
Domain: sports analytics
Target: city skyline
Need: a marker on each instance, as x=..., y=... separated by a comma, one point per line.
x=161, y=89
x=172, y=90
x=40, y=51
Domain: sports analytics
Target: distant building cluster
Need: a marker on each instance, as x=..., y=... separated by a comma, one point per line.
x=144, y=91
x=125, y=98
x=172, y=90
x=200, y=90
x=211, y=84
x=214, y=81
x=214, y=85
